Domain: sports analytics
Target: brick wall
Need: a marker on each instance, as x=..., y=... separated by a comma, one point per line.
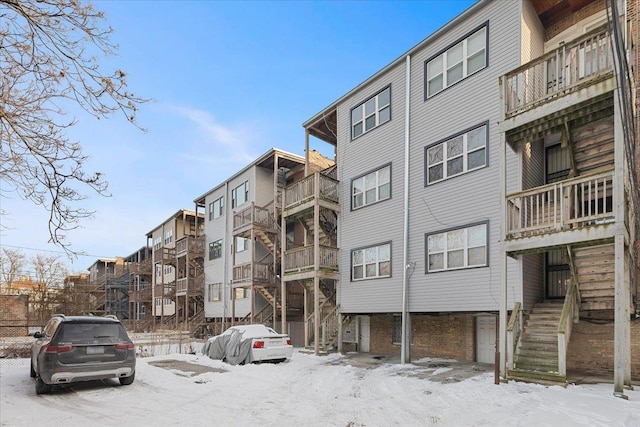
x=14, y=315
x=449, y=336
x=591, y=348
x=573, y=19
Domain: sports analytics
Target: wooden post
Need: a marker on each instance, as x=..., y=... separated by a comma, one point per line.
x=316, y=264
x=502, y=349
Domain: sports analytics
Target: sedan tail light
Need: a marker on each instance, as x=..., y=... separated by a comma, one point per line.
x=258, y=344
x=58, y=348
x=288, y=342
x=125, y=346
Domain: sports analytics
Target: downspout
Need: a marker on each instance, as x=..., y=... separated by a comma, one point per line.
x=405, y=350
x=225, y=268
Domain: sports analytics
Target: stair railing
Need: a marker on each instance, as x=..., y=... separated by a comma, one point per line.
x=570, y=315
x=514, y=332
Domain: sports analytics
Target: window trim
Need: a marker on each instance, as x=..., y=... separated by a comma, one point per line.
x=210, y=293
x=234, y=194
x=463, y=227
x=364, y=205
x=352, y=279
x=216, y=213
x=212, y=249
x=377, y=113
x=465, y=154
x=485, y=25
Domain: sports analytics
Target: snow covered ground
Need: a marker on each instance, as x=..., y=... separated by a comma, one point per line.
x=307, y=391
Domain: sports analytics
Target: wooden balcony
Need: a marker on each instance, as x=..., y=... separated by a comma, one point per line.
x=190, y=244
x=572, y=67
x=168, y=255
x=190, y=285
x=302, y=259
x=572, y=204
x=254, y=216
x=140, y=296
x=314, y=188
x=253, y=272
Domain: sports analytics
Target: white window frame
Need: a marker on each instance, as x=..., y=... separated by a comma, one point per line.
x=168, y=270
x=213, y=251
x=380, y=114
x=240, y=190
x=241, y=244
x=168, y=236
x=215, y=208
x=158, y=270
x=241, y=293
x=438, y=67
x=359, y=261
x=442, y=244
x=446, y=157
x=157, y=243
x=214, y=293
x=359, y=188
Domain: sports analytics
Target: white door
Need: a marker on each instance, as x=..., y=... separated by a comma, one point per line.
x=485, y=339
x=364, y=337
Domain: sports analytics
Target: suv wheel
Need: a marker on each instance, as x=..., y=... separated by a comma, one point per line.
x=42, y=387
x=32, y=372
x=127, y=380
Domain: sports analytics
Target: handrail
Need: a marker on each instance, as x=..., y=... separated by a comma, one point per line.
x=514, y=332
x=570, y=314
x=588, y=58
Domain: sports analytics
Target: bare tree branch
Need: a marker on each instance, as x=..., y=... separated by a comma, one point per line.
x=49, y=52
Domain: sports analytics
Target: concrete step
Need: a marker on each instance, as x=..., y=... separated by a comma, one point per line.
x=538, y=377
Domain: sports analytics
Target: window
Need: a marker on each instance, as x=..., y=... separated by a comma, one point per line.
x=241, y=293
x=168, y=269
x=157, y=243
x=158, y=270
x=464, y=152
x=214, y=293
x=371, y=113
x=456, y=249
x=215, y=208
x=371, y=188
x=215, y=249
x=240, y=194
x=168, y=236
x=396, y=333
x=241, y=244
x=158, y=302
x=464, y=58
x=371, y=262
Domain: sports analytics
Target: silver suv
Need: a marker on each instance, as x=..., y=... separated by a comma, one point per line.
x=81, y=348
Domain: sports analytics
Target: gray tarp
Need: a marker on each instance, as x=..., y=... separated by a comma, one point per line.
x=231, y=347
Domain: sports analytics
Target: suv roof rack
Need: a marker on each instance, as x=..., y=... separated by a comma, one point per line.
x=111, y=316
x=58, y=315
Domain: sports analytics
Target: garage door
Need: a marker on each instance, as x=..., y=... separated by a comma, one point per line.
x=485, y=339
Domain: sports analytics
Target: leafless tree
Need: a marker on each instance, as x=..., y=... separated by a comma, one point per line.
x=49, y=274
x=12, y=263
x=49, y=59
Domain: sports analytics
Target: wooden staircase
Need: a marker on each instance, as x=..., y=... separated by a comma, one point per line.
x=595, y=270
x=536, y=358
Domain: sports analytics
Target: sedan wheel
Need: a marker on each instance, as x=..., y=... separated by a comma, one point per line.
x=127, y=380
x=42, y=387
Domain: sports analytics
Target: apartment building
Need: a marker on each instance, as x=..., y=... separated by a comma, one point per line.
x=242, y=228
x=178, y=275
x=481, y=184
x=108, y=292
x=138, y=275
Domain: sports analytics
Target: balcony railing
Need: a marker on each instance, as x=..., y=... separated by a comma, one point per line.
x=256, y=272
x=305, y=189
x=256, y=215
x=193, y=245
x=573, y=203
x=192, y=285
x=168, y=254
x=301, y=259
x=559, y=72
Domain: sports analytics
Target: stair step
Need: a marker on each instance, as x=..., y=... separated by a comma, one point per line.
x=538, y=377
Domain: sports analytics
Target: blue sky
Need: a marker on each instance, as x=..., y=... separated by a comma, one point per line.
x=228, y=81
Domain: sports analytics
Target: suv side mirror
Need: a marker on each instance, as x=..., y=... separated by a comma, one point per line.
x=38, y=335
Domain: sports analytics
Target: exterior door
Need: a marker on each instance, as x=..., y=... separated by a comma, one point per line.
x=364, y=337
x=485, y=339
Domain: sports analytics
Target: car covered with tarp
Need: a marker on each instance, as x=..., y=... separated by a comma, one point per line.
x=249, y=344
